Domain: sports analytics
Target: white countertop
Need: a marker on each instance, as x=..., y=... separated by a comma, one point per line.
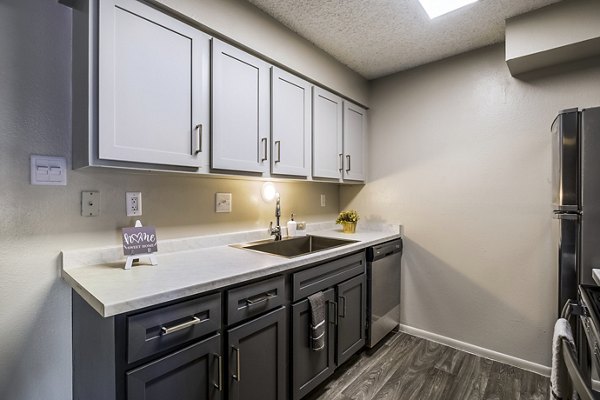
x=191, y=266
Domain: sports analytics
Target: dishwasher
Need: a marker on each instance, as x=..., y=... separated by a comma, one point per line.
x=383, y=290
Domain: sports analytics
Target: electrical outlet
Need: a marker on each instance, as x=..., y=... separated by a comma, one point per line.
x=90, y=204
x=223, y=202
x=323, y=200
x=133, y=203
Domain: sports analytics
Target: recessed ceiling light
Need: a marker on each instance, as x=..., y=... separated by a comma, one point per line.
x=435, y=8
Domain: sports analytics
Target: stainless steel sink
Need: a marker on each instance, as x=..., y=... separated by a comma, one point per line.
x=294, y=247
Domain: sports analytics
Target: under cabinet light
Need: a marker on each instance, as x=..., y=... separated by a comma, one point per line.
x=435, y=8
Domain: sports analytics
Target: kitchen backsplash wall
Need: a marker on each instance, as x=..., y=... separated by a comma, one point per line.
x=460, y=153
x=37, y=222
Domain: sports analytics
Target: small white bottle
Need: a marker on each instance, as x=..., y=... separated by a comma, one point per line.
x=291, y=227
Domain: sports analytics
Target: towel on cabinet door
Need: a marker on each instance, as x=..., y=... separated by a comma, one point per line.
x=317, y=321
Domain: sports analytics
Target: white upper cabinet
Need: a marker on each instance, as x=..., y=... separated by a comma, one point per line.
x=327, y=157
x=291, y=138
x=355, y=128
x=240, y=110
x=153, y=99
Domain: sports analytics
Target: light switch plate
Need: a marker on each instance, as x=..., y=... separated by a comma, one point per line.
x=223, y=202
x=48, y=170
x=323, y=200
x=90, y=203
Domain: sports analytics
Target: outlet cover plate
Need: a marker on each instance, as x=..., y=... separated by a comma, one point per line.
x=90, y=203
x=133, y=203
x=223, y=202
x=48, y=170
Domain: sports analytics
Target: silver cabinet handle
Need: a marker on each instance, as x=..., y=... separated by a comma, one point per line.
x=237, y=376
x=341, y=162
x=278, y=144
x=261, y=299
x=168, y=330
x=219, y=384
x=342, y=309
x=264, y=142
x=198, y=130
x=348, y=159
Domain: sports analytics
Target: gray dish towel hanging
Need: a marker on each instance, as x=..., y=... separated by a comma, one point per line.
x=317, y=321
x=560, y=383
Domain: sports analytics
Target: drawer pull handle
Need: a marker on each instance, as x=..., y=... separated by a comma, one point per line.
x=237, y=376
x=258, y=300
x=165, y=331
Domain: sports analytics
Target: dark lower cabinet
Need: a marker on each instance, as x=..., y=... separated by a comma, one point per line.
x=257, y=358
x=176, y=350
x=309, y=367
x=351, y=317
x=189, y=374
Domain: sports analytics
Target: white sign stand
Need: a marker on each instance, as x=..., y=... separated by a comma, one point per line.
x=130, y=259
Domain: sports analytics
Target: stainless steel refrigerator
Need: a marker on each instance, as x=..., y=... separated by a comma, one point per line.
x=576, y=192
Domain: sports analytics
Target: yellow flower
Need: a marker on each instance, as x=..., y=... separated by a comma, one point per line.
x=347, y=216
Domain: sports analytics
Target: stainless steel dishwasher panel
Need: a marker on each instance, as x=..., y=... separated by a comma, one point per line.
x=383, y=299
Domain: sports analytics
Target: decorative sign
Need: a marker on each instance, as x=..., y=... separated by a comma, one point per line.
x=140, y=240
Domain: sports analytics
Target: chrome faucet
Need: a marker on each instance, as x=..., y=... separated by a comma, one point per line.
x=277, y=230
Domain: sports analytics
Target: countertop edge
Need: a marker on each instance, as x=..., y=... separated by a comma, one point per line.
x=276, y=264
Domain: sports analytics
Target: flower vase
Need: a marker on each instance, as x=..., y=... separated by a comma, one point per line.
x=349, y=227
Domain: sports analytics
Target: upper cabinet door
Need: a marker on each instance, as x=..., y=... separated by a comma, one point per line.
x=291, y=139
x=240, y=110
x=355, y=129
x=153, y=87
x=327, y=135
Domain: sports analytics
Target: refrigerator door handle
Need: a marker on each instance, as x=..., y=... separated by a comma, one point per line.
x=567, y=258
x=566, y=216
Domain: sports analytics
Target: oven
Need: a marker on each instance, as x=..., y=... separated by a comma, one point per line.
x=584, y=318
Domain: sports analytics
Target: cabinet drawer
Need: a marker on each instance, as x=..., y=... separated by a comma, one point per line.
x=312, y=280
x=189, y=374
x=253, y=299
x=154, y=331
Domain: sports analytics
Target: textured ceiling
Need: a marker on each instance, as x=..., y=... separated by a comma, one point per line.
x=379, y=37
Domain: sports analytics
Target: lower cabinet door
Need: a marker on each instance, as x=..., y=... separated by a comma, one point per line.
x=351, y=317
x=190, y=374
x=257, y=358
x=310, y=367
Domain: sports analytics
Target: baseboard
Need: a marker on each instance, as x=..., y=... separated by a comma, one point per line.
x=478, y=351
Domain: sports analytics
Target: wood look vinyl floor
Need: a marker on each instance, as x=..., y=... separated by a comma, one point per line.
x=409, y=368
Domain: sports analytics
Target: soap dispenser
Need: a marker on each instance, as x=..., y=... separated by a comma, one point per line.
x=291, y=227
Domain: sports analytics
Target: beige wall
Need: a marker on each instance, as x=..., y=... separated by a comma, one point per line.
x=242, y=22
x=460, y=153
x=37, y=222
x=560, y=24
